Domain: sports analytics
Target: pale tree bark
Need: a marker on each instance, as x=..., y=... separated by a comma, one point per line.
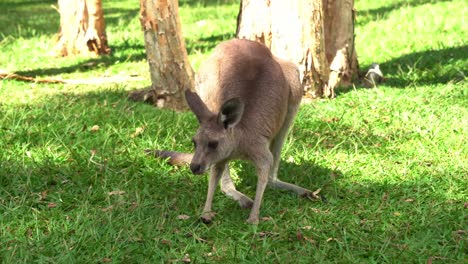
x=308, y=33
x=339, y=39
x=82, y=28
x=171, y=72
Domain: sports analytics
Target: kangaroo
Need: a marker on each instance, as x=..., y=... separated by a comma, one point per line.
x=245, y=103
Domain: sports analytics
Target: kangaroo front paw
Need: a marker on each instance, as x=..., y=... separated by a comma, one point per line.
x=252, y=220
x=207, y=217
x=245, y=203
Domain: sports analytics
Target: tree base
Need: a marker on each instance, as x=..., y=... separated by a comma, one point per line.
x=150, y=96
x=82, y=29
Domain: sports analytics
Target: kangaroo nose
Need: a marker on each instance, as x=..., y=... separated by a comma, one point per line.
x=196, y=168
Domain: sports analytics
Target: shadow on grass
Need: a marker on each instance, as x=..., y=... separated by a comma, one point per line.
x=91, y=64
x=70, y=117
x=430, y=67
x=359, y=216
x=375, y=212
x=28, y=19
x=39, y=18
x=427, y=67
x=27, y=4
x=114, y=16
x=34, y=17
x=127, y=52
x=365, y=16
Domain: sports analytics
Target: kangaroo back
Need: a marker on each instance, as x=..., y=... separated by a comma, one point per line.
x=246, y=70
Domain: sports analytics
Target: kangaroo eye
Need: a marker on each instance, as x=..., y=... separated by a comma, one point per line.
x=213, y=144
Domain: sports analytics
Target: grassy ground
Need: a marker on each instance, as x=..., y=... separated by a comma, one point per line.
x=76, y=187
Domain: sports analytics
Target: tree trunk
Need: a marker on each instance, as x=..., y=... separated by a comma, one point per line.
x=171, y=72
x=339, y=39
x=308, y=33
x=82, y=28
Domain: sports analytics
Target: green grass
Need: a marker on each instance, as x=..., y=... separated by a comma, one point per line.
x=392, y=161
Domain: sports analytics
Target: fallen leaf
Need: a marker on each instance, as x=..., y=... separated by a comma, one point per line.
x=109, y=208
x=267, y=218
x=51, y=205
x=199, y=239
x=133, y=206
x=136, y=239
x=165, y=242
x=138, y=131
x=266, y=234
x=318, y=211
x=397, y=214
x=330, y=239
x=116, y=192
x=330, y=120
x=183, y=217
x=186, y=259
x=43, y=195
x=282, y=211
x=95, y=128
x=409, y=200
x=89, y=64
x=106, y=260
x=29, y=232
x=429, y=260
x=299, y=236
x=384, y=197
x=310, y=240
x=306, y=227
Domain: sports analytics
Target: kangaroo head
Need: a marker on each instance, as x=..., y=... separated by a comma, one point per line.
x=213, y=141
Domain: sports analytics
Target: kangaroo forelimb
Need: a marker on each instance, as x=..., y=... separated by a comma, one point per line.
x=173, y=157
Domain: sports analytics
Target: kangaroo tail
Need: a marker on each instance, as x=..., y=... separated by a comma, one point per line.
x=174, y=158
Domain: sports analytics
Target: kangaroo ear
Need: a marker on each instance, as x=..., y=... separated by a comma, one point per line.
x=197, y=106
x=231, y=112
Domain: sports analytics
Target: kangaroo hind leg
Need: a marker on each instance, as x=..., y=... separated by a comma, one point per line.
x=276, y=147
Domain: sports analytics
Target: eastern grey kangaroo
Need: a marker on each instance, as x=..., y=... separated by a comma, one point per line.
x=245, y=101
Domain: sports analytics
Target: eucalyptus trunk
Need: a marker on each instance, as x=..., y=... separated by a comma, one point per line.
x=171, y=72
x=317, y=35
x=82, y=28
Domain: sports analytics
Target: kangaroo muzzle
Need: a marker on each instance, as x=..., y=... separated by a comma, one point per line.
x=196, y=168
